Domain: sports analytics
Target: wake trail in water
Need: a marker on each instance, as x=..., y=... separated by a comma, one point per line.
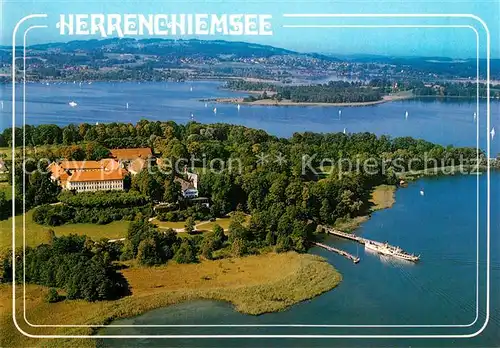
x=461, y=304
x=459, y=261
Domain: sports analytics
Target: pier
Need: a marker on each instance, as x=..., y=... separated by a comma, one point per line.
x=343, y=234
x=352, y=237
x=384, y=248
x=338, y=251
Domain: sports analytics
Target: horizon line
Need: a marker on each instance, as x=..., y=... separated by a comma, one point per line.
x=327, y=54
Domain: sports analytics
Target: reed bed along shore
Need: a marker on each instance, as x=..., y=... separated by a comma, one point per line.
x=254, y=284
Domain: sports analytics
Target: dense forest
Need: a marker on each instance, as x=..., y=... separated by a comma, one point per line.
x=79, y=266
x=332, y=92
x=345, y=92
x=255, y=188
x=283, y=200
x=464, y=90
x=436, y=89
x=244, y=85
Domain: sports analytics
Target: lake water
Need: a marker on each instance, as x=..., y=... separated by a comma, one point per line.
x=439, y=290
x=441, y=226
x=445, y=123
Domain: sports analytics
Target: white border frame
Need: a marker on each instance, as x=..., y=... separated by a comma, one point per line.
x=318, y=326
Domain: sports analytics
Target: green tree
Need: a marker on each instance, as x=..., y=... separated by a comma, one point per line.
x=91, y=134
x=139, y=231
x=190, y=224
x=5, y=206
x=283, y=243
x=186, y=252
x=212, y=241
x=148, y=253
x=150, y=184
x=325, y=212
x=52, y=296
x=236, y=228
x=219, y=236
x=73, y=264
x=208, y=245
x=239, y=247
x=172, y=190
x=270, y=240
x=6, y=271
x=298, y=237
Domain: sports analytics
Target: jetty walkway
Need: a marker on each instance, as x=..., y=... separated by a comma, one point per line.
x=350, y=236
x=338, y=251
x=384, y=248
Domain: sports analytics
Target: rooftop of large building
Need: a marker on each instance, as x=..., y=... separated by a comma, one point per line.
x=136, y=165
x=106, y=164
x=100, y=175
x=130, y=154
x=80, y=165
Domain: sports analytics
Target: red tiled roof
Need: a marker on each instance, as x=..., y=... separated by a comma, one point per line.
x=137, y=165
x=106, y=163
x=130, y=154
x=110, y=164
x=80, y=165
x=100, y=175
x=56, y=170
x=63, y=179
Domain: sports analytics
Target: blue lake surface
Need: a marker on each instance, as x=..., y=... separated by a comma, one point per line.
x=439, y=290
x=450, y=122
x=441, y=225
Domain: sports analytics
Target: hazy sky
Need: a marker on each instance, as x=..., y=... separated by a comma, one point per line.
x=451, y=42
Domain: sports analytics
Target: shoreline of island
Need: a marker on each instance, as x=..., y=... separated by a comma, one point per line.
x=274, y=102
x=273, y=282
x=277, y=103
x=384, y=196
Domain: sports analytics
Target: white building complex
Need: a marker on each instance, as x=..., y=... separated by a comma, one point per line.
x=83, y=176
x=109, y=173
x=84, y=181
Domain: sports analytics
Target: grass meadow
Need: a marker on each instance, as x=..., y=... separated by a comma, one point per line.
x=254, y=284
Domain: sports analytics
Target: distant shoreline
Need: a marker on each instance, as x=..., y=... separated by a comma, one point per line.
x=274, y=102
x=385, y=99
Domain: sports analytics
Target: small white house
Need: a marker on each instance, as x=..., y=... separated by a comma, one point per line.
x=190, y=193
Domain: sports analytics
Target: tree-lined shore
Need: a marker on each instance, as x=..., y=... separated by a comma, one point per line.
x=339, y=93
x=274, y=199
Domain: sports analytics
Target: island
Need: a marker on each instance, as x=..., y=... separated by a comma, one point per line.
x=125, y=218
x=341, y=93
